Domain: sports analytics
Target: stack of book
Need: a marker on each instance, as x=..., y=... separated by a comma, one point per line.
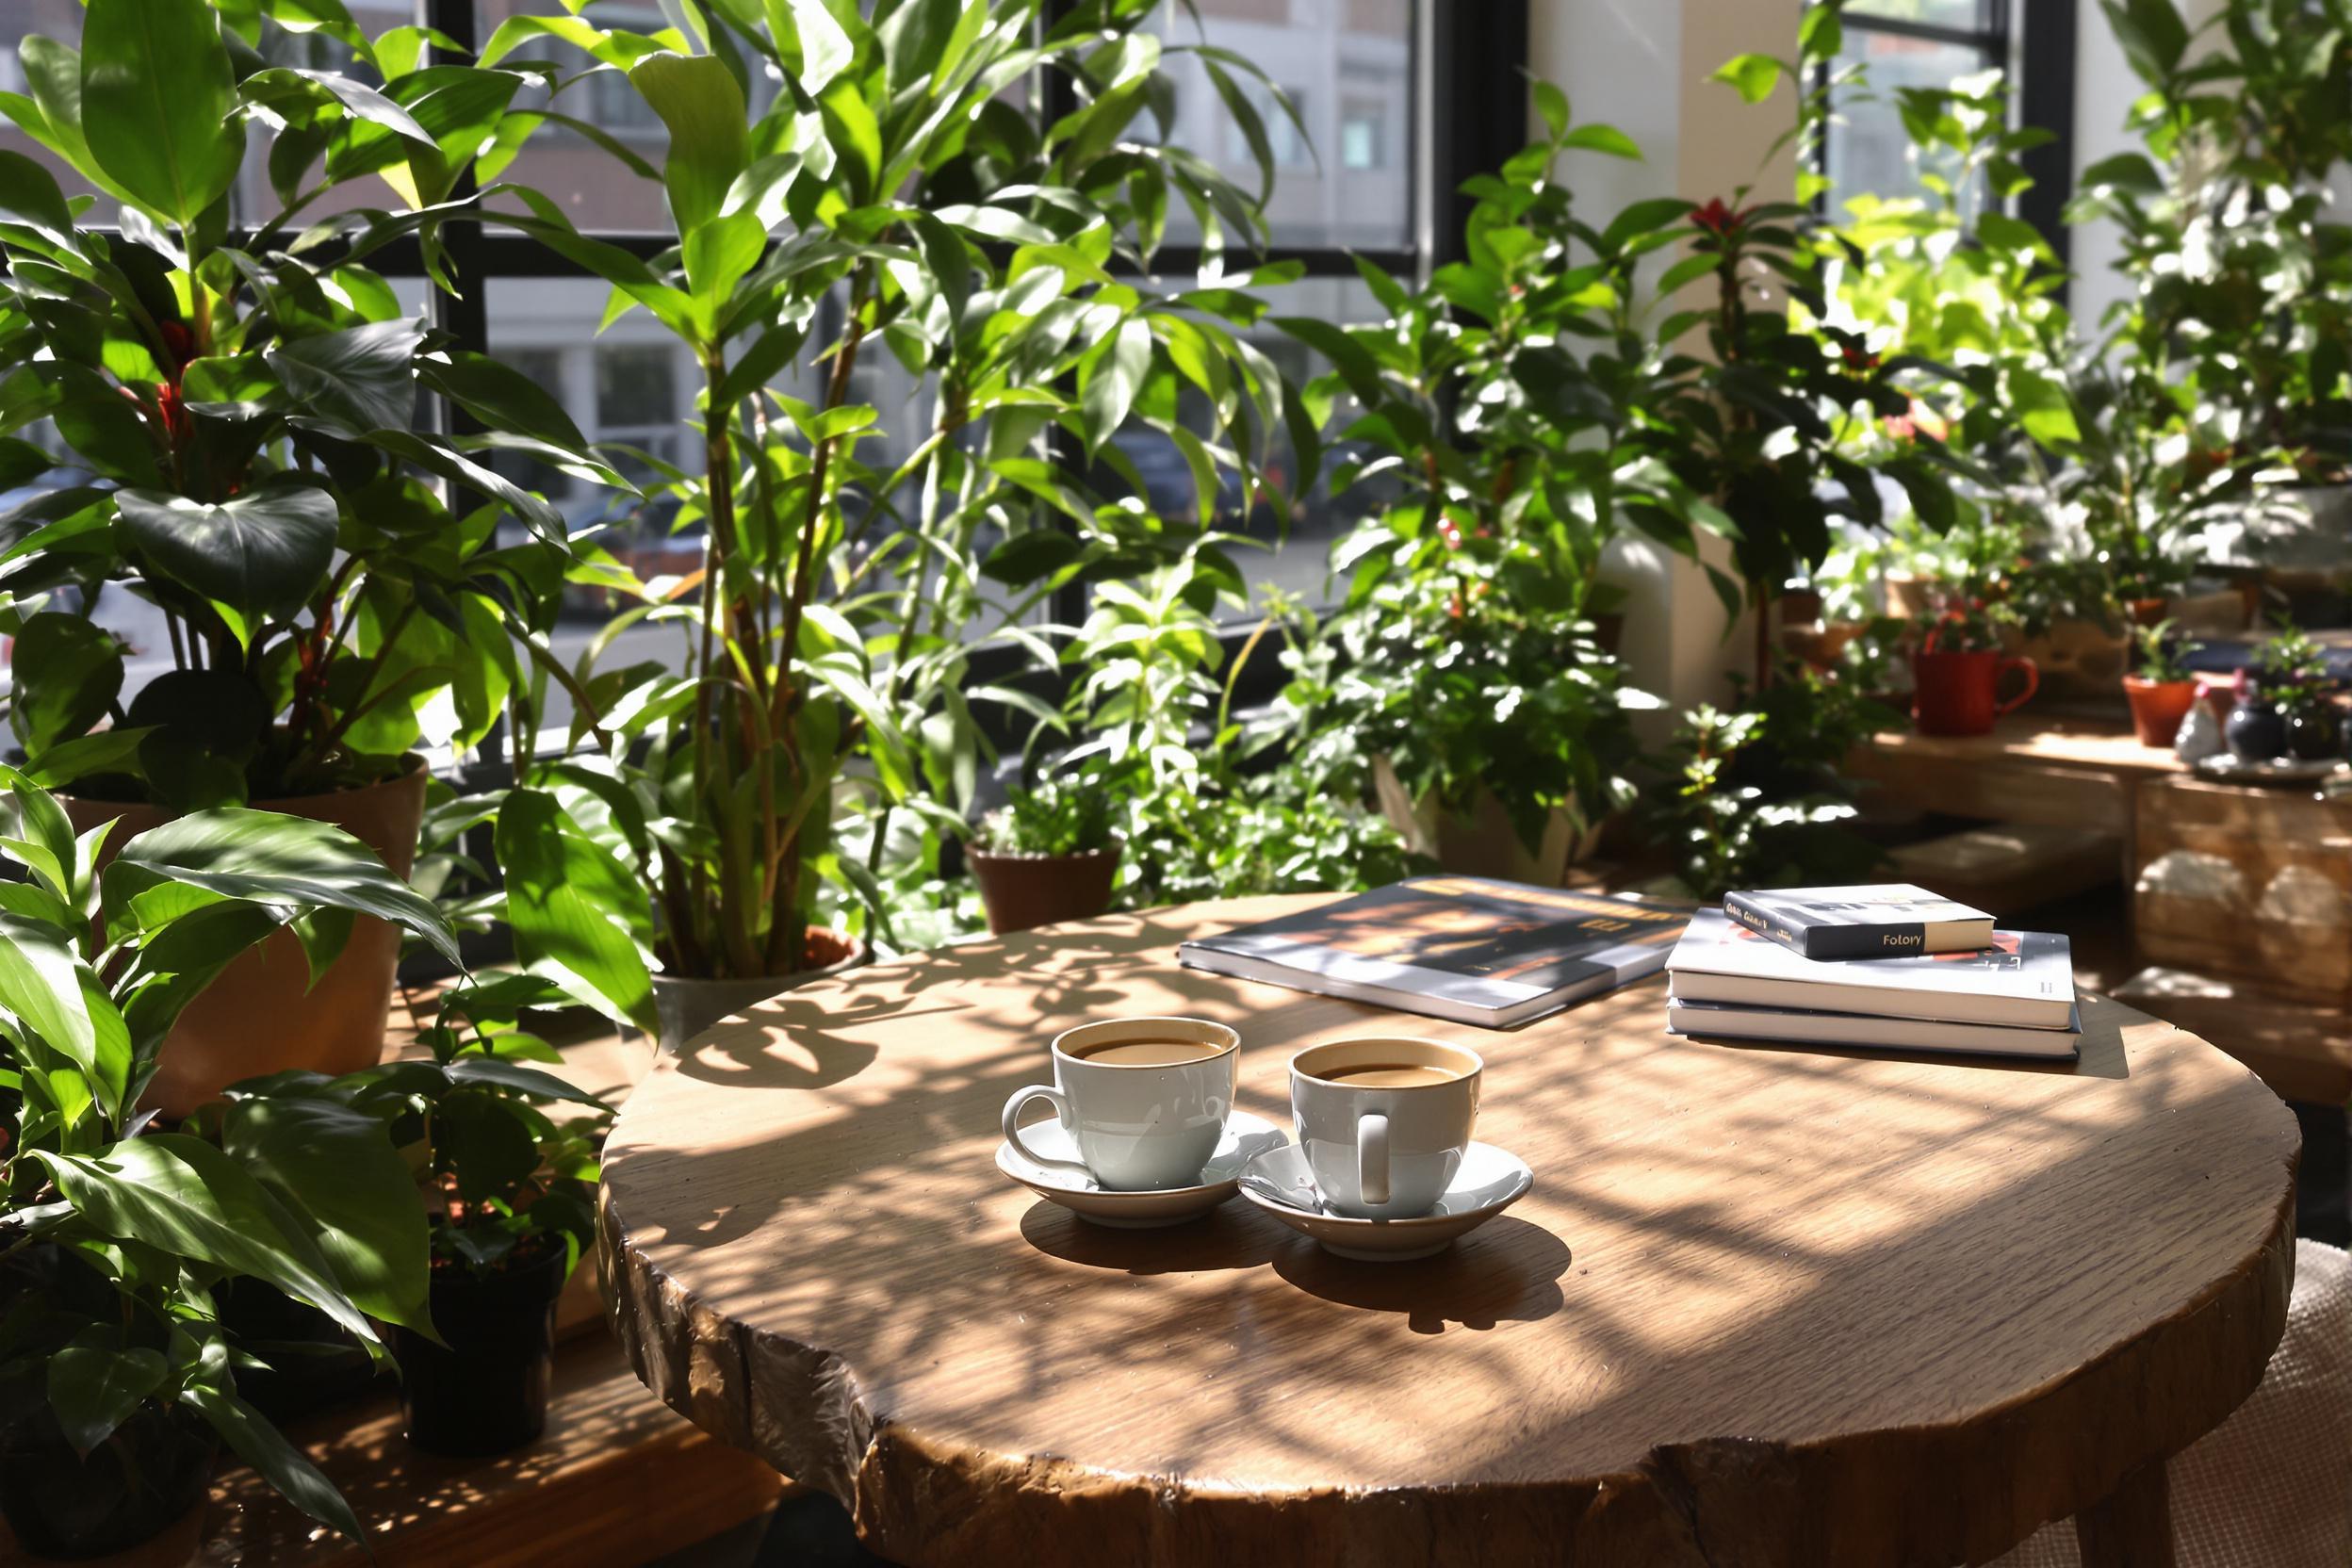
x=1893, y=967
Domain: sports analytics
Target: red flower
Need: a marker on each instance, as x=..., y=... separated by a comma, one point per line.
x=1859, y=358
x=181, y=344
x=1918, y=422
x=1450, y=532
x=1718, y=219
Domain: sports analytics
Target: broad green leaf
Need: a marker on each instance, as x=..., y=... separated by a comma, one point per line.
x=503, y=398
x=159, y=103
x=1754, y=76
x=504, y=1074
x=1603, y=139
x=697, y=98
x=1113, y=378
x=173, y=966
x=250, y=1435
x=563, y=931
x=94, y=1388
x=363, y=378
x=29, y=194
x=2043, y=408
x=816, y=47
x=336, y=1169
x=68, y=673
x=265, y=857
x=181, y=1194
x=263, y=553
x=44, y=983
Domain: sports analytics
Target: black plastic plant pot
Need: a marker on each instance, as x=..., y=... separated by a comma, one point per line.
x=132, y=1488
x=487, y=1390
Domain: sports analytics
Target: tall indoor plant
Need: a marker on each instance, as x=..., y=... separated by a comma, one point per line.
x=236, y=420
x=117, y=1376
x=893, y=198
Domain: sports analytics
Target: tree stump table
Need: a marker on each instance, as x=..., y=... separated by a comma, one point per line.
x=1764, y=1306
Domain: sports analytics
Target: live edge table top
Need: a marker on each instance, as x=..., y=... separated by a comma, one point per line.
x=1763, y=1306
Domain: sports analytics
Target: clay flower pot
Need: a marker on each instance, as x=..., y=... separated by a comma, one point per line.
x=1024, y=892
x=1958, y=694
x=2158, y=707
x=263, y=1015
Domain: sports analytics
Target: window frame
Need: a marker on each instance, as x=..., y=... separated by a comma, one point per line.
x=2032, y=41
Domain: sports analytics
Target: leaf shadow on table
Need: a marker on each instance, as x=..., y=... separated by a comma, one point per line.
x=1507, y=1272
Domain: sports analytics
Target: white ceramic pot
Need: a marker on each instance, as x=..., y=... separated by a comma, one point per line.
x=688, y=1006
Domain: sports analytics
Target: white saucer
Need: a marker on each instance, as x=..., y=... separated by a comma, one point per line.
x=1245, y=1138
x=1490, y=1181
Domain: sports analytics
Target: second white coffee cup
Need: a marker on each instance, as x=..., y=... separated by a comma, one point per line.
x=1383, y=1120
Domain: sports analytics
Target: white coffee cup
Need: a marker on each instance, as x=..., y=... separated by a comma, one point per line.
x=1383, y=1120
x=1140, y=1123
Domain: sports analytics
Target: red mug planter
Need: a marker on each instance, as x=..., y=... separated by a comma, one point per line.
x=1958, y=694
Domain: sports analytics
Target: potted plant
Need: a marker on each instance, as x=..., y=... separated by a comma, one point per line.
x=891, y=200
x=1051, y=853
x=2164, y=690
x=510, y=1194
x=117, y=1377
x=2286, y=707
x=334, y=585
x=1956, y=670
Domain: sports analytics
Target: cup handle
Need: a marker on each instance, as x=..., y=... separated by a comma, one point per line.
x=1013, y=1109
x=2032, y=683
x=1372, y=1158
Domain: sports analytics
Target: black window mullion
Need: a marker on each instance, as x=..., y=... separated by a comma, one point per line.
x=2046, y=98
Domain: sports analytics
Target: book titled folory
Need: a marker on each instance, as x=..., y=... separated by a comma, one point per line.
x=1887, y=919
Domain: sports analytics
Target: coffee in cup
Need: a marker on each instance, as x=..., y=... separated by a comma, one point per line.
x=1383, y=1120
x=1144, y=1100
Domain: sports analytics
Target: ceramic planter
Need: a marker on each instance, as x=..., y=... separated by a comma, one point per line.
x=2256, y=730
x=149, y=1476
x=2158, y=707
x=1024, y=892
x=2314, y=734
x=484, y=1391
x=263, y=1013
x=689, y=1006
x=1958, y=694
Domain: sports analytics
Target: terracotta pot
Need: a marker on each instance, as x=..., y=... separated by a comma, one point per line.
x=2154, y=611
x=689, y=1004
x=1024, y=892
x=1957, y=694
x=2158, y=707
x=263, y=1015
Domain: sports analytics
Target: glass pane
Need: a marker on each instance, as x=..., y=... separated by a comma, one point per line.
x=1868, y=151
x=1347, y=68
x=1972, y=14
x=1297, y=561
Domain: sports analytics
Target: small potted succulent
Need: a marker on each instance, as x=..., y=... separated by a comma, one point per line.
x=118, y=1376
x=2163, y=691
x=1051, y=853
x=510, y=1193
x=1957, y=667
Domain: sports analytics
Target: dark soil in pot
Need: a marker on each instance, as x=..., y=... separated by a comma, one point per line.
x=2314, y=734
x=485, y=1391
x=132, y=1488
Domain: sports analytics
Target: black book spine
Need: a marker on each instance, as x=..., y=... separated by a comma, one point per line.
x=1828, y=943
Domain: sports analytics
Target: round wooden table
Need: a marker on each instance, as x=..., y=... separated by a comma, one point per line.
x=1764, y=1306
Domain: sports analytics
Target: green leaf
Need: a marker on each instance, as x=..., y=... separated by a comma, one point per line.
x=173, y=966
x=251, y=1436
x=183, y=1196
x=1113, y=377
x=1603, y=139
x=44, y=983
x=29, y=194
x=264, y=553
x=503, y=398
x=2043, y=408
x=816, y=48
x=159, y=103
x=499, y=1073
x=336, y=1169
x=69, y=672
x=269, y=859
x=94, y=1387
x=363, y=378
x=561, y=886
x=113, y=750
x=1552, y=105
x=697, y=98
x=1754, y=76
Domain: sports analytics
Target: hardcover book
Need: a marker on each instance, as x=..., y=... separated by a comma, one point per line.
x=1888, y=919
x=2025, y=979
x=1797, y=1026
x=1467, y=949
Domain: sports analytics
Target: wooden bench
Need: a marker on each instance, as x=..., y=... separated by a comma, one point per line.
x=2301, y=1048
